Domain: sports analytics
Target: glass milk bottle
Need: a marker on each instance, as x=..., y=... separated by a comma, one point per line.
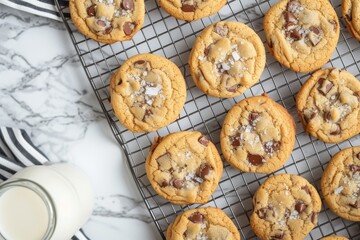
x=45, y=202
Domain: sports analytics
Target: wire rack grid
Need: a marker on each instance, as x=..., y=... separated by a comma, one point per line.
x=164, y=35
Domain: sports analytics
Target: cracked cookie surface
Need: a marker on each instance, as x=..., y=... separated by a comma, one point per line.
x=258, y=135
x=148, y=92
x=351, y=14
x=340, y=184
x=227, y=59
x=329, y=105
x=285, y=207
x=184, y=167
x=202, y=223
x=302, y=34
x=190, y=10
x=108, y=21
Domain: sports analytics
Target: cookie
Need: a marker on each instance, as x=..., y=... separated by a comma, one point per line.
x=227, y=59
x=184, y=167
x=302, y=34
x=334, y=237
x=340, y=184
x=190, y=10
x=108, y=21
x=329, y=105
x=351, y=14
x=148, y=92
x=258, y=135
x=285, y=207
x=202, y=223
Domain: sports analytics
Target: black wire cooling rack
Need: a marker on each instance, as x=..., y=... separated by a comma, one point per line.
x=164, y=35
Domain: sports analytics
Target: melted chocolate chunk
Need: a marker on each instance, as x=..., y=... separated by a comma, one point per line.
x=293, y=5
x=325, y=86
x=108, y=30
x=306, y=189
x=314, y=217
x=358, y=155
x=255, y=160
x=204, y=140
x=235, y=140
x=356, y=204
x=164, y=184
x=221, y=30
x=196, y=217
x=271, y=147
x=315, y=29
x=337, y=131
x=252, y=118
x=91, y=11
x=327, y=115
x=204, y=170
x=120, y=82
x=333, y=23
x=188, y=8
x=290, y=17
x=300, y=206
x=354, y=168
x=308, y=115
x=233, y=88
x=101, y=23
x=263, y=211
x=206, y=51
x=148, y=112
x=277, y=236
x=294, y=34
x=177, y=183
x=129, y=28
x=128, y=5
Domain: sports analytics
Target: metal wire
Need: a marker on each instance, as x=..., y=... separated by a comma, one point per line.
x=173, y=39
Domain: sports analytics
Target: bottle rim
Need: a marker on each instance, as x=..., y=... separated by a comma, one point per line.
x=42, y=193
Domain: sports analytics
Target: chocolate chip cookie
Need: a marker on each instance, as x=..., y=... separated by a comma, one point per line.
x=329, y=105
x=340, y=184
x=285, y=207
x=351, y=14
x=203, y=223
x=108, y=21
x=334, y=238
x=184, y=167
x=190, y=10
x=302, y=34
x=148, y=92
x=258, y=135
x=227, y=59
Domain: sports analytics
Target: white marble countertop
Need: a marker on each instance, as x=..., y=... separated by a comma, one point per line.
x=44, y=90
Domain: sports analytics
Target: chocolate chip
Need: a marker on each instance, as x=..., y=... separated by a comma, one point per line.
x=233, y=88
x=289, y=25
x=348, y=17
x=188, y=8
x=356, y=204
x=271, y=147
x=290, y=17
x=314, y=217
x=355, y=168
x=308, y=115
x=325, y=86
x=314, y=39
x=120, y=82
x=128, y=5
x=204, y=170
x=101, y=23
x=315, y=29
x=252, y=118
x=300, y=206
x=255, y=160
x=196, y=217
x=221, y=30
x=91, y=11
x=204, y=140
x=108, y=30
x=164, y=184
x=148, y=112
x=277, y=236
x=129, y=28
x=262, y=212
x=235, y=140
x=327, y=115
x=294, y=34
x=177, y=183
x=337, y=131
x=306, y=189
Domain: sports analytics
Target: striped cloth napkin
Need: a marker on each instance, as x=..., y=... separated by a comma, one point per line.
x=16, y=152
x=44, y=8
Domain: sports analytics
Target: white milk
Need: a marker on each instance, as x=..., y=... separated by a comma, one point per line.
x=71, y=194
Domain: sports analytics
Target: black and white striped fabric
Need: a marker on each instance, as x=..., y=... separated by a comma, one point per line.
x=44, y=8
x=16, y=152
